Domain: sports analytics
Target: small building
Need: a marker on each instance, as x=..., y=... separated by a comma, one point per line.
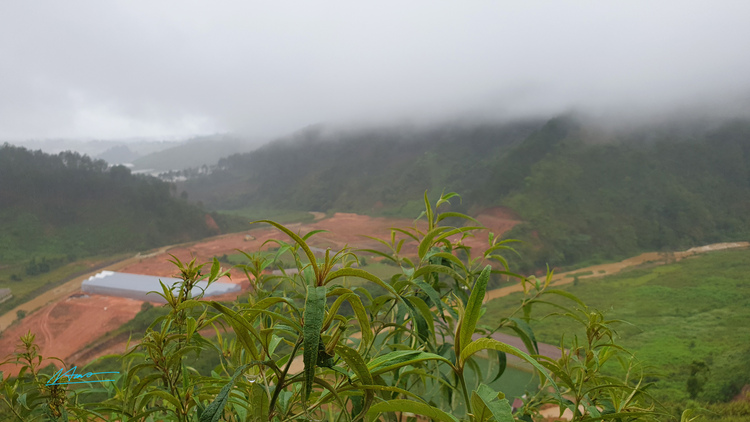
x=5, y=294
x=137, y=286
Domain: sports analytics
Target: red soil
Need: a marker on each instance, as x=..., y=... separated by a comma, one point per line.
x=343, y=229
x=64, y=327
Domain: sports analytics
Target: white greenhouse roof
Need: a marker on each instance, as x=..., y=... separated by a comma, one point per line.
x=137, y=286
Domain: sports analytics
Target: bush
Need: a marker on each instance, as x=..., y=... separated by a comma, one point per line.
x=411, y=350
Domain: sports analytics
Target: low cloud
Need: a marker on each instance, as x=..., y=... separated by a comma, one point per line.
x=123, y=69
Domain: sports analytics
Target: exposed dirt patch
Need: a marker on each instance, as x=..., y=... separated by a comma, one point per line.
x=67, y=326
x=343, y=229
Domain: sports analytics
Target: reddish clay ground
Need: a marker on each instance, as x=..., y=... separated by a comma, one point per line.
x=342, y=229
x=64, y=327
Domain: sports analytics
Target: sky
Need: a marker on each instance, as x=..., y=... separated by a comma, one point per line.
x=165, y=69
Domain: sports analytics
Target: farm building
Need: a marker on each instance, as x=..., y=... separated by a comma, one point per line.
x=5, y=294
x=136, y=286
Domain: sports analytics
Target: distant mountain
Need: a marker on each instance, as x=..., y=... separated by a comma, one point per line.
x=93, y=148
x=585, y=192
x=196, y=152
x=120, y=154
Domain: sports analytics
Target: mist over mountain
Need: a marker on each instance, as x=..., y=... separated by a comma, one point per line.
x=120, y=154
x=195, y=152
x=583, y=190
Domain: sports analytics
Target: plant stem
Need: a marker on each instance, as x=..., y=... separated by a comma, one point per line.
x=280, y=381
x=465, y=391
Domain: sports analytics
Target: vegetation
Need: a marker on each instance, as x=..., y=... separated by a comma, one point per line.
x=72, y=206
x=683, y=320
x=411, y=350
x=583, y=193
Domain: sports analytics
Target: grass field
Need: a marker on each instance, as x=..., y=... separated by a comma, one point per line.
x=279, y=216
x=696, y=310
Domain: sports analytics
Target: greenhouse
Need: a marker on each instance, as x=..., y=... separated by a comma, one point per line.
x=137, y=286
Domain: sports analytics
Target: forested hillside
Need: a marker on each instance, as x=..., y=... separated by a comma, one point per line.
x=585, y=193
x=364, y=171
x=613, y=200
x=71, y=205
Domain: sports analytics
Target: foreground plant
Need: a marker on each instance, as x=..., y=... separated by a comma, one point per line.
x=331, y=341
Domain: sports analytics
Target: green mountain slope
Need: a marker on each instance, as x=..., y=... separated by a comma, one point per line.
x=362, y=171
x=613, y=200
x=585, y=193
x=68, y=204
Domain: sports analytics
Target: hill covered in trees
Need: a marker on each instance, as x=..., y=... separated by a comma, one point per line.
x=68, y=204
x=585, y=193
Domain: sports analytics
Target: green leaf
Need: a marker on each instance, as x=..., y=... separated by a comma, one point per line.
x=435, y=298
x=166, y=397
x=426, y=269
x=450, y=257
x=401, y=405
x=502, y=361
x=442, y=216
x=425, y=322
x=357, y=364
x=392, y=390
x=215, y=267
x=190, y=327
x=214, y=410
x=356, y=272
x=527, y=335
x=446, y=198
x=568, y=295
x=259, y=404
x=359, y=312
x=492, y=344
x=429, y=240
x=241, y=328
x=300, y=242
x=400, y=358
x=473, y=308
x=428, y=211
x=488, y=397
x=314, y=314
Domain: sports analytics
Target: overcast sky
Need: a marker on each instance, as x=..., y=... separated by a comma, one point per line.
x=114, y=69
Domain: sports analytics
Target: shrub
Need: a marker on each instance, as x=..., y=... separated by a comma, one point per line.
x=411, y=350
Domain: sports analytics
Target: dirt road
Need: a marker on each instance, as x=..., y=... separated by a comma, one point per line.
x=602, y=270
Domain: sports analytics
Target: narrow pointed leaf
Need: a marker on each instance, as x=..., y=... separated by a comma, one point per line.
x=492, y=344
x=314, y=314
x=473, y=309
x=401, y=405
x=299, y=240
x=214, y=410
